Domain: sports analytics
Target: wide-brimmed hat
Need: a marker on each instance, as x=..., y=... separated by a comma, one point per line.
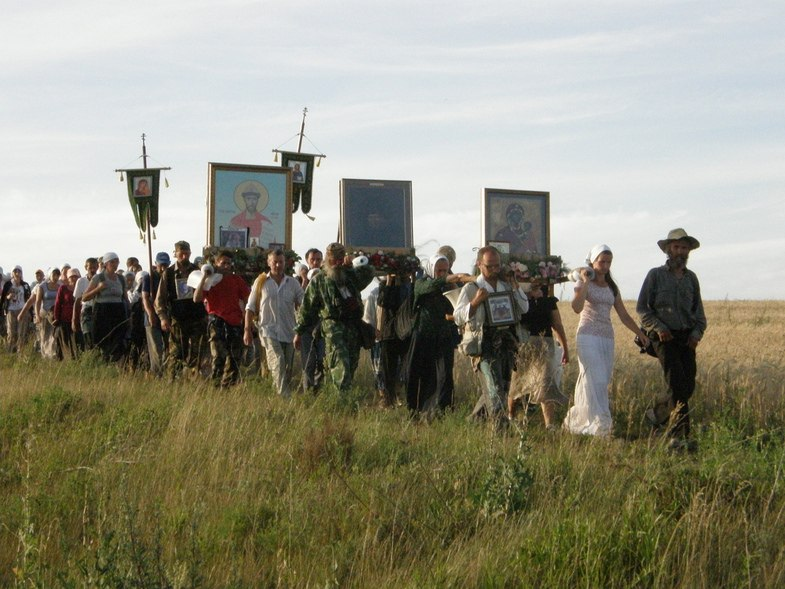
x=676, y=235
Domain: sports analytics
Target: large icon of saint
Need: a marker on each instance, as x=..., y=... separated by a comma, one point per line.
x=251, y=197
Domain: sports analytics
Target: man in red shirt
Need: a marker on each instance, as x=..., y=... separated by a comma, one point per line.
x=225, y=299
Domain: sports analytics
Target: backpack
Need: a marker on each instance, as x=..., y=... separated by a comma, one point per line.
x=405, y=318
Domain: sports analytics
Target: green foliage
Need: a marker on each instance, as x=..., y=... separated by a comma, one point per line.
x=505, y=488
x=109, y=479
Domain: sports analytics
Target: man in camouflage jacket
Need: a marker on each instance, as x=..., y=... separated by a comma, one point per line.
x=334, y=297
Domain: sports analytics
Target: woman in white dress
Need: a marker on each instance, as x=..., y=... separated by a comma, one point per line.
x=594, y=297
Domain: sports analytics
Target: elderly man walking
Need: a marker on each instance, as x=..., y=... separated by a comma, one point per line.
x=334, y=296
x=671, y=309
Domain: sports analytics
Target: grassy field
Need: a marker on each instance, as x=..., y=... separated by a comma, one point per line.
x=110, y=479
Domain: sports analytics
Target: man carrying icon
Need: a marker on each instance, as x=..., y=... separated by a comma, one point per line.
x=225, y=299
x=490, y=344
x=334, y=296
x=184, y=319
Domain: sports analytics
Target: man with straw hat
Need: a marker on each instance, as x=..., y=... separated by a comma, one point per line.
x=671, y=309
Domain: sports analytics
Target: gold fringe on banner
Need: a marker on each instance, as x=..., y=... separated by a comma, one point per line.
x=318, y=162
x=276, y=157
x=166, y=181
x=121, y=177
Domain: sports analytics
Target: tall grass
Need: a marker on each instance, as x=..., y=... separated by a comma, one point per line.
x=113, y=479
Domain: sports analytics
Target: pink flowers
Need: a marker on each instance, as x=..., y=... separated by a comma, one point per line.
x=532, y=268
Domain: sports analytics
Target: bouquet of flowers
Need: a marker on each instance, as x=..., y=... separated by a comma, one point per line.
x=391, y=263
x=537, y=269
x=249, y=262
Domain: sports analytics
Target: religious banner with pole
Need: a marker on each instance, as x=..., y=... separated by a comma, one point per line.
x=143, y=187
x=302, y=166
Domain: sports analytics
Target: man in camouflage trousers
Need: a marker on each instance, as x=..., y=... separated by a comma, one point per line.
x=334, y=297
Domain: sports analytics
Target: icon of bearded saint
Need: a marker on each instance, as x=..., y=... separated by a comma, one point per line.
x=251, y=197
x=517, y=232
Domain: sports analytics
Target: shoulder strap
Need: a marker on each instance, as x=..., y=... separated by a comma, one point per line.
x=171, y=284
x=257, y=291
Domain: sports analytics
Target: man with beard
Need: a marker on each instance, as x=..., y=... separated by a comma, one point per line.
x=671, y=309
x=225, y=301
x=254, y=198
x=491, y=346
x=334, y=296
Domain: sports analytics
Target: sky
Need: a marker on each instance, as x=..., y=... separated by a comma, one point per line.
x=637, y=117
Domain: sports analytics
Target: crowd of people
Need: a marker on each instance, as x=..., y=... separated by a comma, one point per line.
x=165, y=320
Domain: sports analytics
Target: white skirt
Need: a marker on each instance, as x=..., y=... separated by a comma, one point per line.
x=591, y=414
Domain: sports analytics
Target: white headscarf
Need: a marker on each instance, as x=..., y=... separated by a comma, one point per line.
x=596, y=251
x=430, y=264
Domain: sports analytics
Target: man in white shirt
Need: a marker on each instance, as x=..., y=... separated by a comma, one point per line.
x=491, y=321
x=275, y=297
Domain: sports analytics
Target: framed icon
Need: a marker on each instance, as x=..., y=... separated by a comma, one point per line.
x=253, y=198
